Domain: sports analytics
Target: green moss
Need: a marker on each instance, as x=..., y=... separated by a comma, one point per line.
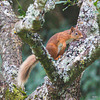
x=17, y=94
x=36, y=25
x=35, y=96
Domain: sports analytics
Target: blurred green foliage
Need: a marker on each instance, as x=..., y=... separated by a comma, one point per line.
x=58, y=20
x=90, y=82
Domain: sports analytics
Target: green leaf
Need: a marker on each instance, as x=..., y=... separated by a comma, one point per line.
x=95, y=3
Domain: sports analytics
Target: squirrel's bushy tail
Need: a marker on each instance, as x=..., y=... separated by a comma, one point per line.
x=25, y=69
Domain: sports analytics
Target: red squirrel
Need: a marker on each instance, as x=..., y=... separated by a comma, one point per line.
x=55, y=46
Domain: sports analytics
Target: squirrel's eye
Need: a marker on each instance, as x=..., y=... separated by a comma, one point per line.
x=76, y=33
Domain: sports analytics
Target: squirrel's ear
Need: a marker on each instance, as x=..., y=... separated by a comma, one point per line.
x=72, y=29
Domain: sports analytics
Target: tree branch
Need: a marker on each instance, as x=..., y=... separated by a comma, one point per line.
x=34, y=18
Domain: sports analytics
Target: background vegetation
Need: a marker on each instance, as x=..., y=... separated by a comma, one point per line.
x=58, y=20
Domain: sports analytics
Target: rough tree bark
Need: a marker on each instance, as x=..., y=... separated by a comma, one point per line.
x=62, y=81
x=10, y=48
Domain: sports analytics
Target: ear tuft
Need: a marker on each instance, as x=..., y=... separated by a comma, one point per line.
x=72, y=29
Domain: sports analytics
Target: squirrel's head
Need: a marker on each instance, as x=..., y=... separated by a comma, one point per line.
x=75, y=33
